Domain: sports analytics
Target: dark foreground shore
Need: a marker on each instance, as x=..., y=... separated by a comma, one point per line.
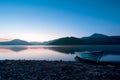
x=57, y=70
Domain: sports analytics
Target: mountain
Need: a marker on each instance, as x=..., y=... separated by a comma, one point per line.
x=42, y=43
x=101, y=39
x=15, y=42
x=114, y=39
x=36, y=43
x=97, y=35
x=91, y=40
x=66, y=41
x=95, y=39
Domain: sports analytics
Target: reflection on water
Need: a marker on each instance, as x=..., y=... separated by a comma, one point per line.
x=65, y=53
x=33, y=53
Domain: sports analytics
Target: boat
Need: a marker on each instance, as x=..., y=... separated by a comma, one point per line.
x=98, y=57
x=93, y=56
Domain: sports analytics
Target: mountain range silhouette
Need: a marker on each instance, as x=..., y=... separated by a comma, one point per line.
x=95, y=39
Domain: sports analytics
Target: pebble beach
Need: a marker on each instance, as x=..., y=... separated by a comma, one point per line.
x=57, y=70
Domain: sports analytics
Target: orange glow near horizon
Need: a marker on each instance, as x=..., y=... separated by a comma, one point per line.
x=30, y=37
x=4, y=40
x=26, y=37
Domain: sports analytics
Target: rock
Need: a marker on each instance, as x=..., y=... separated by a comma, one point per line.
x=8, y=63
x=110, y=66
x=67, y=69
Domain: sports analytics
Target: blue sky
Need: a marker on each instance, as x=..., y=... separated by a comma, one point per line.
x=42, y=20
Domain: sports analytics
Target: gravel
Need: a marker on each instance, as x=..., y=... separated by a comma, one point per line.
x=57, y=70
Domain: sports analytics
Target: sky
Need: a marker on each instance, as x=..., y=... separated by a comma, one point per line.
x=43, y=20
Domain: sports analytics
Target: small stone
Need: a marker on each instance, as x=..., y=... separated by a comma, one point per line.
x=110, y=66
x=8, y=63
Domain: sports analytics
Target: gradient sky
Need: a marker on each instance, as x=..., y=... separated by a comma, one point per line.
x=42, y=20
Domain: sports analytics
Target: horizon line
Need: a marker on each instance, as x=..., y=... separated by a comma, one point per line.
x=6, y=40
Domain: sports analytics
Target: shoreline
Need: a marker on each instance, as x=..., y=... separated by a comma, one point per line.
x=57, y=70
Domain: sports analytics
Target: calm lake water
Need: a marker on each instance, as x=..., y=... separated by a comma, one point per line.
x=65, y=53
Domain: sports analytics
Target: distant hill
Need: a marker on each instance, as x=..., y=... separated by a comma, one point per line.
x=15, y=42
x=66, y=41
x=114, y=40
x=95, y=39
x=97, y=35
x=36, y=43
x=100, y=39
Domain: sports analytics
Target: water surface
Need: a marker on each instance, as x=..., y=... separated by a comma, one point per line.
x=65, y=53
